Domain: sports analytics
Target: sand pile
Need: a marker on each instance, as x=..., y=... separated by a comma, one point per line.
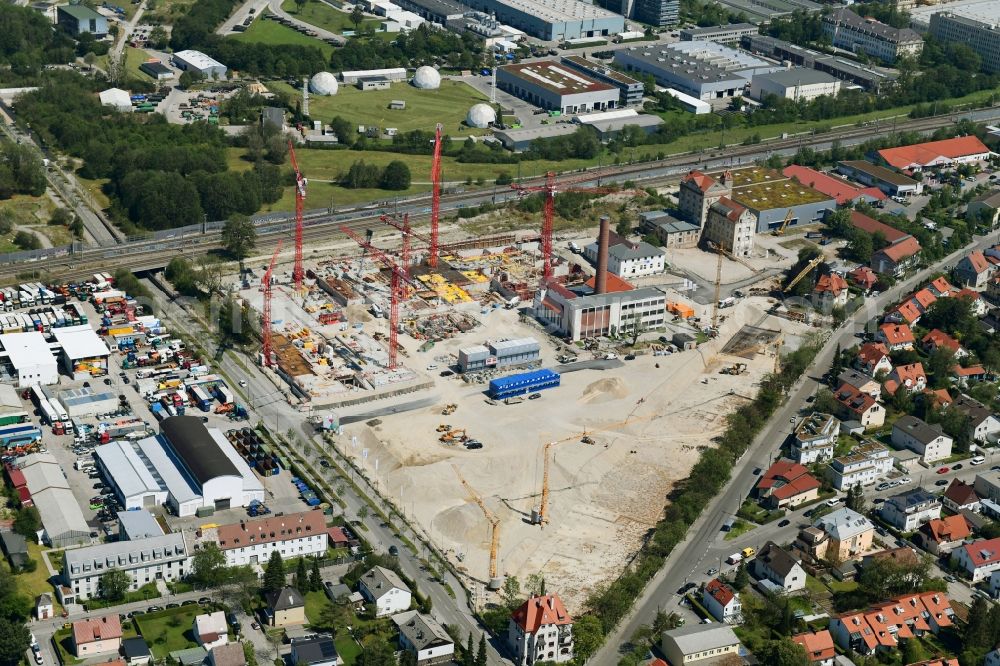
x=605, y=390
x=357, y=313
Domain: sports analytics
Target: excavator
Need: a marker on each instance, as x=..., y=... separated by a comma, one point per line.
x=457, y=435
x=780, y=231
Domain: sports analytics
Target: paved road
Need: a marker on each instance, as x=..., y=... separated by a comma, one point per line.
x=274, y=7
x=125, y=28
x=696, y=552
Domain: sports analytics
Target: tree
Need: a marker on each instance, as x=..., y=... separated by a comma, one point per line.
x=114, y=584
x=158, y=38
x=481, y=656
x=511, y=593
x=856, y=498
x=299, y=4
x=188, y=78
x=26, y=240
x=396, y=176
x=357, y=17
x=912, y=651
x=315, y=578
x=742, y=578
x=27, y=522
x=587, y=636
x=274, y=574
x=301, y=575
x=623, y=227
x=838, y=364
x=363, y=512
x=239, y=237
x=535, y=585
x=208, y=566
x=782, y=653
x=14, y=640
x=115, y=69
x=468, y=655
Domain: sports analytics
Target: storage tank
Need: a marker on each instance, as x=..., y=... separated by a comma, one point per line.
x=481, y=116
x=323, y=83
x=426, y=78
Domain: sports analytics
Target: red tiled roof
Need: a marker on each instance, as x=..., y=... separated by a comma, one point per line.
x=912, y=372
x=872, y=352
x=925, y=153
x=853, y=399
x=885, y=623
x=541, y=611
x=735, y=210
x=939, y=338
x=270, y=530
x=873, y=226
x=901, y=250
x=971, y=371
x=961, y=493
x=786, y=479
x=337, y=534
x=941, y=286
x=924, y=298
x=863, y=277
x=978, y=261
x=561, y=290
x=720, y=592
x=896, y=334
x=16, y=477
x=983, y=552
x=939, y=397
x=939, y=661
x=818, y=646
x=832, y=283
x=703, y=181
x=951, y=528
x=907, y=311
x=98, y=629
x=970, y=294
x=614, y=283
x=838, y=188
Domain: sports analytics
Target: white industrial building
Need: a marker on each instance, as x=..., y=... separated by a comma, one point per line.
x=187, y=466
x=579, y=314
x=63, y=523
x=550, y=85
x=84, y=354
x=391, y=74
x=798, y=84
x=199, y=63
x=88, y=402
x=30, y=357
x=252, y=541
x=500, y=354
x=628, y=259
x=116, y=98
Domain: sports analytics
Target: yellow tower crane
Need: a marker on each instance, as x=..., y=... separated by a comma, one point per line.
x=789, y=216
x=494, y=522
x=805, y=271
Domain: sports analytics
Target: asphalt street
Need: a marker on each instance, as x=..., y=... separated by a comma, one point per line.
x=696, y=552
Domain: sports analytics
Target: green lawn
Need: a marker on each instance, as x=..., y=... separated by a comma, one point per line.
x=133, y=58
x=63, y=640
x=169, y=630
x=347, y=647
x=316, y=601
x=740, y=527
x=36, y=582
x=263, y=31
x=324, y=16
x=144, y=593
x=447, y=105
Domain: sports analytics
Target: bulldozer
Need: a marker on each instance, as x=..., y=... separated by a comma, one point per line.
x=444, y=427
x=449, y=409
x=587, y=439
x=457, y=435
x=734, y=369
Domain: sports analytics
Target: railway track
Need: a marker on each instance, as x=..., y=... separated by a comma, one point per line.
x=323, y=225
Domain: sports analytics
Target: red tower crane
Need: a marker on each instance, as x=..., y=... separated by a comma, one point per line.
x=300, y=197
x=435, y=197
x=266, y=324
x=397, y=289
x=408, y=235
x=549, y=210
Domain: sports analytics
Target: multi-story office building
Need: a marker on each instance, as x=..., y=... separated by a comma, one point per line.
x=849, y=31
x=730, y=34
x=982, y=36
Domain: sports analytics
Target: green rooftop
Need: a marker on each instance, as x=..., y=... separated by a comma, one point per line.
x=80, y=12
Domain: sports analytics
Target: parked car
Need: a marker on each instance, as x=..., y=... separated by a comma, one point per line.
x=684, y=589
x=956, y=467
x=942, y=482
x=943, y=470
x=784, y=523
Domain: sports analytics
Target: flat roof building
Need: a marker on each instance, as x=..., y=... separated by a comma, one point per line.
x=581, y=313
x=764, y=11
x=78, y=19
x=946, y=152
x=729, y=34
x=124, y=468
x=797, y=84
x=156, y=69
x=136, y=525
x=888, y=181
x=501, y=354
x=30, y=358
x=630, y=90
x=554, y=19
x=84, y=354
x=88, y=402
x=199, y=63
x=849, y=31
x=390, y=74
x=704, y=70
x=436, y=11
x=770, y=195
x=556, y=87
x=848, y=71
x=521, y=139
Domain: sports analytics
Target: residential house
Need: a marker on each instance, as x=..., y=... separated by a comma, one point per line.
x=961, y=496
x=909, y=510
x=849, y=534
x=15, y=547
x=985, y=209
x=864, y=278
x=628, y=259
x=979, y=559
x=137, y=653
x=929, y=440
x=865, y=465
x=787, y=484
x=96, y=636
x=230, y=654
x=906, y=312
x=880, y=628
x=974, y=270
x=44, y=608
x=993, y=289
x=859, y=407
x=987, y=485
x=937, y=398
x=730, y=226
x=941, y=287
x=301, y=534
x=384, y=588
x=316, y=650
x=818, y=646
x=873, y=358
x=830, y=292
x=698, y=191
x=984, y=426
x=909, y=378
x=540, y=630
x=977, y=304
x=861, y=382
x=938, y=339
x=424, y=637
x=963, y=376
x=776, y=565
x=285, y=607
x=896, y=259
x=722, y=602
x=902, y=556
x=211, y=630
x=699, y=642
x=815, y=438
x=942, y=535
x=895, y=336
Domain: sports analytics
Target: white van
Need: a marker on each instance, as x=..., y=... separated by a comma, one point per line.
x=978, y=460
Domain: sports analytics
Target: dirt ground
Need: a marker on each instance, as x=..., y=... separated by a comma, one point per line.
x=604, y=497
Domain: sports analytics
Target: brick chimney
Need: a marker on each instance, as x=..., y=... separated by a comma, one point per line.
x=601, y=279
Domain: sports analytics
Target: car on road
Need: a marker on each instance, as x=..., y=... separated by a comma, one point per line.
x=629, y=357
x=882, y=486
x=153, y=609
x=833, y=501
x=957, y=467
x=995, y=468
x=942, y=482
x=473, y=445
x=137, y=612
x=809, y=513
x=881, y=531
x=712, y=572
x=949, y=578
x=254, y=625
x=943, y=470
x=173, y=605
x=446, y=373
x=394, y=551
x=323, y=462
x=38, y=658
x=204, y=600
x=684, y=589
x=534, y=396
x=784, y=523
x=432, y=366
x=903, y=481
x=188, y=602
x=978, y=460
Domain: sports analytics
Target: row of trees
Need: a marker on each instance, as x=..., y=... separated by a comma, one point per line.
x=394, y=176
x=21, y=170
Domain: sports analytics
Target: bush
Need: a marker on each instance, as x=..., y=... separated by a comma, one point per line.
x=27, y=240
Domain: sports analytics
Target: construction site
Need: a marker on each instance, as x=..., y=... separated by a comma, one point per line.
x=567, y=476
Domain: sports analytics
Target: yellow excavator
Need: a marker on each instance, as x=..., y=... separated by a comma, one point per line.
x=780, y=231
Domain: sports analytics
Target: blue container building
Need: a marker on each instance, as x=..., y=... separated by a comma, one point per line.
x=522, y=383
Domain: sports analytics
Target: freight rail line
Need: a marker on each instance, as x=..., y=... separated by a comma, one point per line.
x=144, y=255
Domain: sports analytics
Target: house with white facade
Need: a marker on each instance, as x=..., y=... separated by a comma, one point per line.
x=386, y=590
x=630, y=259
x=961, y=496
x=873, y=358
x=908, y=511
x=211, y=630
x=251, y=542
x=984, y=426
x=929, y=440
x=424, y=637
x=166, y=557
x=815, y=438
x=868, y=463
x=978, y=559
x=540, y=630
x=943, y=535
x=722, y=602
x=776, y=565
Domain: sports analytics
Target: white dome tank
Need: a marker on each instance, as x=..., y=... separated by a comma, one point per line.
x=426, y=78
x=481, y=116
x=323, y=83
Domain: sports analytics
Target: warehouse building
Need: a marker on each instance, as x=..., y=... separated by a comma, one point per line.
x=768, y=194
x=435, y=11
x=581, y=313
x=29, y=358
x=122, y=465
x=764, y=11
x=88, y=402
x=848, y=71
x=847, y=30
x=117, y=99
x=135, y=525
x=890, y=182
x=84, y=354
x=550, y=86
x=731, y=227
x=730, y=34
x=519, y=140
x=943, y=153
x=157, y=70
x=502, y=354
x=981, y=36
x=609, y=124
x=251, y=542
x=630, y=91
x=63, y=523
x=554, y=20
x=704, y=70
x=199, y=63
x=391, y=74
x=659, y=13
x=669, y=231
x=78, y=19
x=797, y=84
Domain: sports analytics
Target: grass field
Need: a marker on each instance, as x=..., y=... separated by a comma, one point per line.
x=169, y=630
x=133, y=58
x=324, y=16
x=447, y=105
x=264, y=31
x=35, y=583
